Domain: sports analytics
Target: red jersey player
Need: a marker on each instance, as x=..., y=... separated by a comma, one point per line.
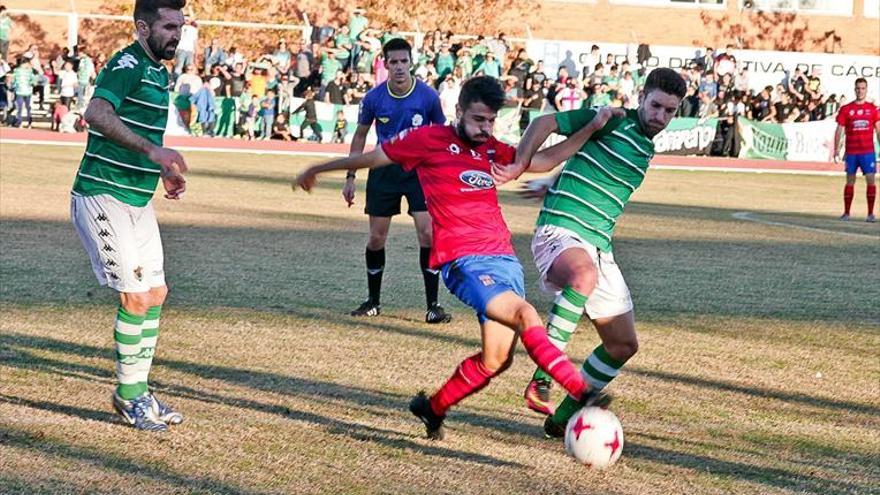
x=860, y=121
x=472, y=245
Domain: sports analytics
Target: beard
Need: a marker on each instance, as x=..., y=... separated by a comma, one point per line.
x=161, y=51
x=463, y=135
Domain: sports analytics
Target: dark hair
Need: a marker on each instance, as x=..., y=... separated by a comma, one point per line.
x=666, y=80
x=397, y=45
x=594, y=47
x=148, y=10
x=483, y=89
x=861, y=80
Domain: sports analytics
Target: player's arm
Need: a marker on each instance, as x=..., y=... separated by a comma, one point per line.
x=548, y=158
x=358, y=142
x=838, y=133
x=101, y=116
x=375, y=158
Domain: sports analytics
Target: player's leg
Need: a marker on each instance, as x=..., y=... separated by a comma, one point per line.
x=382, y=203
x=619, y=344
x=374, y=256
x=611, y=310
x=869, y=169
x=573, y=270
x=849, y=188
x=153, y=270
x=105, y=228
x=512, y=310
x=434, y=313
x=472, y=375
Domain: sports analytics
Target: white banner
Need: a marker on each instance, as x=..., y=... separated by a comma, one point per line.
x=836, y=71
x=810, y=141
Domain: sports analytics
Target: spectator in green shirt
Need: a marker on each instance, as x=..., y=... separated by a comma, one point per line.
x=329, y=66
x=23, y=81
x=391, y=34
x=445, y=62
x=5, y=28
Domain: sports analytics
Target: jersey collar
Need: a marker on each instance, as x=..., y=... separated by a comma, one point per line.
x=408, y=92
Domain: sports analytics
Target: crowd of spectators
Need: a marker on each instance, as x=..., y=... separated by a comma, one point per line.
x=219, y=90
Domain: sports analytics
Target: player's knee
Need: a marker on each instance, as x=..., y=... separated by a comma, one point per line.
x=158, y=295
x=497, y=363
x=624, y=350
x=135, y=303
x=377, y=241
x=584, y=279
x=527, y=315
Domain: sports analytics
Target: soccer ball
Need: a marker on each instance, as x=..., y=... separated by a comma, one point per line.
x=594, y=437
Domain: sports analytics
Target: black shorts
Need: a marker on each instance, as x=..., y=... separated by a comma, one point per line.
x=386, y=185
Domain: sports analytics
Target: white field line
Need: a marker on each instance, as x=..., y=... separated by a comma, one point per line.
x=747, y=216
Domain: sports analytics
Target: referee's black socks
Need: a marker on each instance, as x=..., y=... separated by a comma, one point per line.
x=431, y=277
x=375, y=267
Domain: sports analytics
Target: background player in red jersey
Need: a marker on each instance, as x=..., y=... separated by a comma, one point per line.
x=859, y=120
x=472, y=244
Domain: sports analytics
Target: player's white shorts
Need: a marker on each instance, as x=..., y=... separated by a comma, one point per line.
x=611, y=296
x=122, y=241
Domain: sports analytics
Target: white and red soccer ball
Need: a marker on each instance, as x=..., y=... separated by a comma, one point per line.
x=594, y=437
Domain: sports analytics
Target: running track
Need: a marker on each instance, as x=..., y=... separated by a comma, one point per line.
x=34, y=136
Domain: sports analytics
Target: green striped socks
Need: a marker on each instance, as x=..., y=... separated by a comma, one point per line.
x=599, y=369
x=563, y=320
x=149, y=336
x=135, y=338
x=127, y=335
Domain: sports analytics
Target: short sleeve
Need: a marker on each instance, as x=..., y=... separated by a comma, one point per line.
x=366, y=114
x=118, y=79
x=436, y=115
x=407, y=149
x=569, y=122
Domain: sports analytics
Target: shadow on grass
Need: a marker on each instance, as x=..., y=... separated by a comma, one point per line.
x=315, y=391
x=128, y=468
x=803, y=399
x=779, y=478
x=320, y=391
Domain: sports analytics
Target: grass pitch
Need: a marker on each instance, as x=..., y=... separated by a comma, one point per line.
x=758, y=371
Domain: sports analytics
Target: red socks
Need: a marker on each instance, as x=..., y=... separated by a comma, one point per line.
x=553, y=361
x=848, y=193
x=871, y=194
x=470, y=377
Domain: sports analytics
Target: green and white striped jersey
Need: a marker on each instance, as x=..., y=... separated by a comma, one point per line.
x=137, y=87
x=597, y=182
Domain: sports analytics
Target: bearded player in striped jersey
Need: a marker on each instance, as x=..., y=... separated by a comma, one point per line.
x=111, y=205
x=572, y=245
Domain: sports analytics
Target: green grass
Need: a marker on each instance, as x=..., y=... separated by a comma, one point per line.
x=758, y=371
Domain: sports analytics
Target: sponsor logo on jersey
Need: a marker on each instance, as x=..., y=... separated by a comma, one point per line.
x=126, y=61
x=476, y=180
x=454, y=149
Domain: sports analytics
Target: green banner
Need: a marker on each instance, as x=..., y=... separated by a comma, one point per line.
x=762, y=140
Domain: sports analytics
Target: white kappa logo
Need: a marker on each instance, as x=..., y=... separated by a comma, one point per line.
x=126, y=61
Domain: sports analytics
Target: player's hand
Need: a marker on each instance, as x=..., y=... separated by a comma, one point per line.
x=167, y=158
x=348, y=191
x=173, y=182
x=536, y=188
x=305, y=181
x=835, y=157
x=507, y=172
x=604, y=114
